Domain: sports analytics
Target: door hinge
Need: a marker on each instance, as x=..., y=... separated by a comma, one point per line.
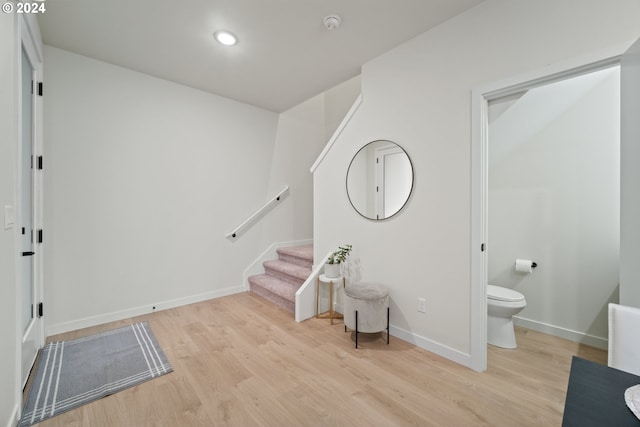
x=482, y=247
x=40, y=235
x=40, y=309
x=40, y=88
x=40, y=162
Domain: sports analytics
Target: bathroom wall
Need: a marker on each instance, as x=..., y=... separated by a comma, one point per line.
x=419, y=95
x=554, y=197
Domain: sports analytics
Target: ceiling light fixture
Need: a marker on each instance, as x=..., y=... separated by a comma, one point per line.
x=225, y=37
x=332, y=22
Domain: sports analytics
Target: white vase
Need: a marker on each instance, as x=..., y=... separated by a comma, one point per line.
x=332, y=270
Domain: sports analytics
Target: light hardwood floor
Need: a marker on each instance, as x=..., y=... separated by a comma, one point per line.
x=241, y=361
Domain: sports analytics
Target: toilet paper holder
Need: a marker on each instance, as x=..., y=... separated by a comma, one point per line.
x=525, y=264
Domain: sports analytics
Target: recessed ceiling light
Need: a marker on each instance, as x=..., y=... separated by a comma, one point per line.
x=225, y=37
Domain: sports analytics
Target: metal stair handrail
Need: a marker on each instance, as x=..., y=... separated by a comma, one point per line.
x=267, y=206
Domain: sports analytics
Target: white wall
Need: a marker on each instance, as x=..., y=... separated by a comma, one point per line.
x=9, y=351
x=143, y=179
x=299, y=140
x=555, y=198
x=419, y=95
x=301, y=135
x=337, y=102
x=629, y=177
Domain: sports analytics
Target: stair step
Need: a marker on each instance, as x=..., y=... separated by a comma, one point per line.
x=284, y=276
x=300, y=255
x=278, y=291
x=292, y=273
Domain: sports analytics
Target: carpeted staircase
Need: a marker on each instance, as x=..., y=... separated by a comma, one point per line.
x=284, y=276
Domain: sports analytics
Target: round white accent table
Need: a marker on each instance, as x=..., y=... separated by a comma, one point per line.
x=323, y=279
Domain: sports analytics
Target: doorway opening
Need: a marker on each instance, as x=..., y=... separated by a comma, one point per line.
x=501, y=98
x=554, y=198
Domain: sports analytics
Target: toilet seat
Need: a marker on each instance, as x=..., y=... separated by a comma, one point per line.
x=499, y=293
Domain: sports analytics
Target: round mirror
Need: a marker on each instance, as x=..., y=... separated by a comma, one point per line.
x=379, y=180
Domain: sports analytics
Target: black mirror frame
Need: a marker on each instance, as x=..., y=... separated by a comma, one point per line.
x=413, y=178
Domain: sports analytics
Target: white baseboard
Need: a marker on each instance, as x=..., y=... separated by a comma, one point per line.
x=73, y=325
x=432, y=346
x=557, y=331
x=424, y=343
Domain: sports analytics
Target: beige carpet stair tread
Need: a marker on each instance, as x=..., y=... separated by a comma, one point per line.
x=283, y=276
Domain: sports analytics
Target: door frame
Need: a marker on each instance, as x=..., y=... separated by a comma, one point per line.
x=480, y=98
x=29, y=38
x=380, y=170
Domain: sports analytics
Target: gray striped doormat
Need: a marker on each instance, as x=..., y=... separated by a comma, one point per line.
x=72, y=373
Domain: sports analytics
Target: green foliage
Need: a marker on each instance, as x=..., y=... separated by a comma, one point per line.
x=340, y=255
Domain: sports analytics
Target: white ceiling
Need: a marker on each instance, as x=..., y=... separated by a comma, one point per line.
x=285, y=54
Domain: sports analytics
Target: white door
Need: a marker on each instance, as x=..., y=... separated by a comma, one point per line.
x=394, y=177
x=31, y=322
x=630, y=177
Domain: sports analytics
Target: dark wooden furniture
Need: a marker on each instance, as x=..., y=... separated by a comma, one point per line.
x=595, y=396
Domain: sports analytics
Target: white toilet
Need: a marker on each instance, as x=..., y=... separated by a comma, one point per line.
x=502, y=305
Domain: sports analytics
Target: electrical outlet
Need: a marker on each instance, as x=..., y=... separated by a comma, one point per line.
x=422, y=305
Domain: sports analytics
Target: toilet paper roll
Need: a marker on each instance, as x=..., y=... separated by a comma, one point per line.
x=524, y=266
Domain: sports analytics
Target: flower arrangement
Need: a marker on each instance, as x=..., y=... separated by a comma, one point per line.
x=340, y=255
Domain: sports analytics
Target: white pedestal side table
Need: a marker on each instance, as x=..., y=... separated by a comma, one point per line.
x=323, y=279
